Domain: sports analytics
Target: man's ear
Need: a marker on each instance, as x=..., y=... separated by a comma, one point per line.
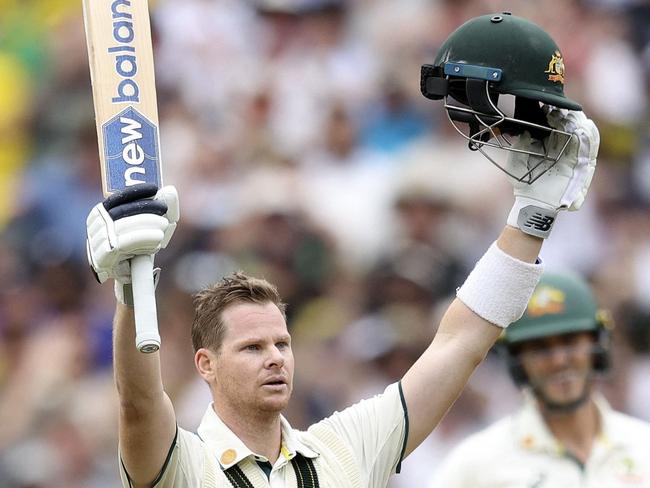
x=205, y=363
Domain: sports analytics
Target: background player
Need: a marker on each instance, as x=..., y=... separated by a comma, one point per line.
x=565, y=433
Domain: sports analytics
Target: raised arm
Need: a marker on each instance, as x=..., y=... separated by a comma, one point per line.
x=497, y=291
x=462, y=341
x=147, y=423
x=133, y=223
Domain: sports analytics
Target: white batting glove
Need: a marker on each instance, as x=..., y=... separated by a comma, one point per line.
x=139, y=220
x=564, y=186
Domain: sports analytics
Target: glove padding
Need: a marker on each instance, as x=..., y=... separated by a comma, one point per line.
x=564, y=186
x=138, y=220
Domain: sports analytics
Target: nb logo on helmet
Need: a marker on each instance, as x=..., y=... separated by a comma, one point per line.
x=556, y=68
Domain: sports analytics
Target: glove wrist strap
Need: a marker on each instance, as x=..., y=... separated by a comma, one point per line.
x=124, y=293
x=531, y=218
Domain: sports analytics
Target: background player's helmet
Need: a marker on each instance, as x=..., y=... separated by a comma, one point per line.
x=561, y=304
x=489, y=57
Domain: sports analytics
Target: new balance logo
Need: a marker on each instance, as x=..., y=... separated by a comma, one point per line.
x=542, y=223
x=536, y=221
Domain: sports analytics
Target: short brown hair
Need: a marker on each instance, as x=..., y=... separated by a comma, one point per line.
x=208, y=327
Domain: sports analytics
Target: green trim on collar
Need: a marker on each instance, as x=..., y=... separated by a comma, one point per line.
x=304, y=468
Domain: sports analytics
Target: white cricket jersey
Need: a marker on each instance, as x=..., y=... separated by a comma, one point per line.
x=519, y=451
x=359, y=447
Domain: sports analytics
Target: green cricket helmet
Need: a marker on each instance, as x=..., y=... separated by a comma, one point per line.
x=561, y=304
x=495, y=56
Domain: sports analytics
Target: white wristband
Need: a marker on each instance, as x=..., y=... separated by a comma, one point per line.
x=499, y=286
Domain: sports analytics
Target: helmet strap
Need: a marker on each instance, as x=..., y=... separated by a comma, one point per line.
x=529, y=110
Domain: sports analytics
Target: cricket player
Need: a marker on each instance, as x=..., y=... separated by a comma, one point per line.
x=565, y=434
x=243, y=348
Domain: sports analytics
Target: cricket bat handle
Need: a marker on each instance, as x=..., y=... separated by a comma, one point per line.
x=147, y=338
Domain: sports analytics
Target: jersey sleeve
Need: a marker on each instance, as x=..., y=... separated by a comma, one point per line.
x=183, y=466
x=376, y=432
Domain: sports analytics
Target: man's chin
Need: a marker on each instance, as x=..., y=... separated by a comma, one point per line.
x=564, y=403
x=277, y=404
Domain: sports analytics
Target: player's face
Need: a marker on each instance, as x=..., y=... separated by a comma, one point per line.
x=559, y=368
x=254, y=366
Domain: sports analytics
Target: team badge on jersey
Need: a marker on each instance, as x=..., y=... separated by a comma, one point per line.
x=629, y=472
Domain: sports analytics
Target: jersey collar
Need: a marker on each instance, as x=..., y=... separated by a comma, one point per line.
x=533, y=434
x=230, y=450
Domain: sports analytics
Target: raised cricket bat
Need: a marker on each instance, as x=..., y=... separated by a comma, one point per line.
x=120, y=55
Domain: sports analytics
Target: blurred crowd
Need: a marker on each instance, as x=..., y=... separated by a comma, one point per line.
x=303, y=152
